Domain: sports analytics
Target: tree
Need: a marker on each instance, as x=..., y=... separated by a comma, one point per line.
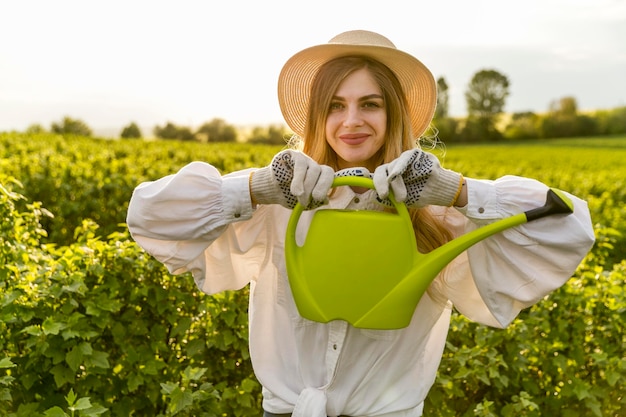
x=171, y=131
x=565, y=107
x=446, y=127
x=487, y=93
x=35, y=129
x=563, y=120
x=270, y=135
x=217, y=130
x=523, y=125
x=131, y=131
x=486, y=96
x=442, y=99
x=611, y=122
x=69, y=126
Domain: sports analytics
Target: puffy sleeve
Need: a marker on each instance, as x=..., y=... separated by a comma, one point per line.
x=498, y=277
x=178, y=216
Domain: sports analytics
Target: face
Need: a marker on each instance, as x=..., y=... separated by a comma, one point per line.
x=357, y=121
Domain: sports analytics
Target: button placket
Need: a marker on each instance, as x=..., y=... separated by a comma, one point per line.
x=336, y=336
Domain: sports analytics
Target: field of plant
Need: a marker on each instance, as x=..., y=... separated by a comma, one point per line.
x=91, y=325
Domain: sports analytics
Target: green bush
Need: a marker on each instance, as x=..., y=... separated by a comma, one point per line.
x=80, y=178
x=564, y=356
x=92, y=325
x=105, y=321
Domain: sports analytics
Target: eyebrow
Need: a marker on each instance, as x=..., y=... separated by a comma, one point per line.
x=367, y=97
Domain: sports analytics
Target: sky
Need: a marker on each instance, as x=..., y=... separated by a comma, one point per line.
x=110, y=63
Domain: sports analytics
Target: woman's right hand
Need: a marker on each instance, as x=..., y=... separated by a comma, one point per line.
x=291, y=177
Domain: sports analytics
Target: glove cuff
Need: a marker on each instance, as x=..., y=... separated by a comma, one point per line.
x=263, y=188
x=445, y=190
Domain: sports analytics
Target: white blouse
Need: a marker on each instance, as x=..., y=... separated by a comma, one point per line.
x=197, y=220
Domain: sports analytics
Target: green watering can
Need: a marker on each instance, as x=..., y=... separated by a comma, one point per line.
x=363, y=266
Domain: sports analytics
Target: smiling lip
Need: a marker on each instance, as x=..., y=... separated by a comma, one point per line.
x=353, y=138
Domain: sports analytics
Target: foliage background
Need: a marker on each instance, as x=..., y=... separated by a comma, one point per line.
x=91, y=325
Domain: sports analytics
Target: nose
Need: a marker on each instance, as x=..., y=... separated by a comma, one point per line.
x=353, y=116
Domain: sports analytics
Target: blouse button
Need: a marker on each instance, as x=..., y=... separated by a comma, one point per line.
x=335, y=346
x=481, y=210
x=237, y=215
x=356, y=200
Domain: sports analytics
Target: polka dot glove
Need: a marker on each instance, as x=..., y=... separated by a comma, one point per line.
x=417, y=179
x=292, y=177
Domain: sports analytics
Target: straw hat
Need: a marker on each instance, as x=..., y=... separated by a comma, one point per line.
x=296, y=77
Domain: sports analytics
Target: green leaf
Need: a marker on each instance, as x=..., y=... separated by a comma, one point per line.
x=196, y=347
x=82, y=404
x=70, y=334
x=62, y=375
x=168, y=387
x=29, y=379
x=581, y=391
x=32, y=330
x=5, y=395
x=74, y=287
x=150, y=367
x=249, y=385
x=134, y=381
x=74, y=358
x=85, y=348
x=99, y=359
x=194, y=374
x=119, y=331
x=55, y=412
x=92, y=310
x=6, y=363
x=96, y=410
x=179, y=400
x=463, y=372
x=49, y=326
x=28, y=409
x=612, y=377
x=181, y=327
x=70, y=397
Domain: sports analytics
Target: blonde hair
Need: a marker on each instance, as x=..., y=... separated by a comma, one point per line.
x=430, y=232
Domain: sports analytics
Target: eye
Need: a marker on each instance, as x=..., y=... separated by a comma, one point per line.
x=336, y=105
x=372, y=104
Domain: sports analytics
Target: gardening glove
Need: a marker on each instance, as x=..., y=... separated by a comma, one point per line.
x=292, y=177
x=417, y=179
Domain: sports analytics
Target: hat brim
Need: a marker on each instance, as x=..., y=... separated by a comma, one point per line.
x=296, y=77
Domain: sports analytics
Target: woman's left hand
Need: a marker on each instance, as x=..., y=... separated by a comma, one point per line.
x=417, y=179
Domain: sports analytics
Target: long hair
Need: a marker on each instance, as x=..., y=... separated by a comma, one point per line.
x=430, y=233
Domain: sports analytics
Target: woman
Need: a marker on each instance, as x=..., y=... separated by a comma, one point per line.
x=356, y=102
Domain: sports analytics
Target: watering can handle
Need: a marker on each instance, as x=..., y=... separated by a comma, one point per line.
x=352, y=181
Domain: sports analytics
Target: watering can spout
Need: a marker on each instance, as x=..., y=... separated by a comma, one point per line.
x=429, y=265
x=556, y=203
x=332, y=277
